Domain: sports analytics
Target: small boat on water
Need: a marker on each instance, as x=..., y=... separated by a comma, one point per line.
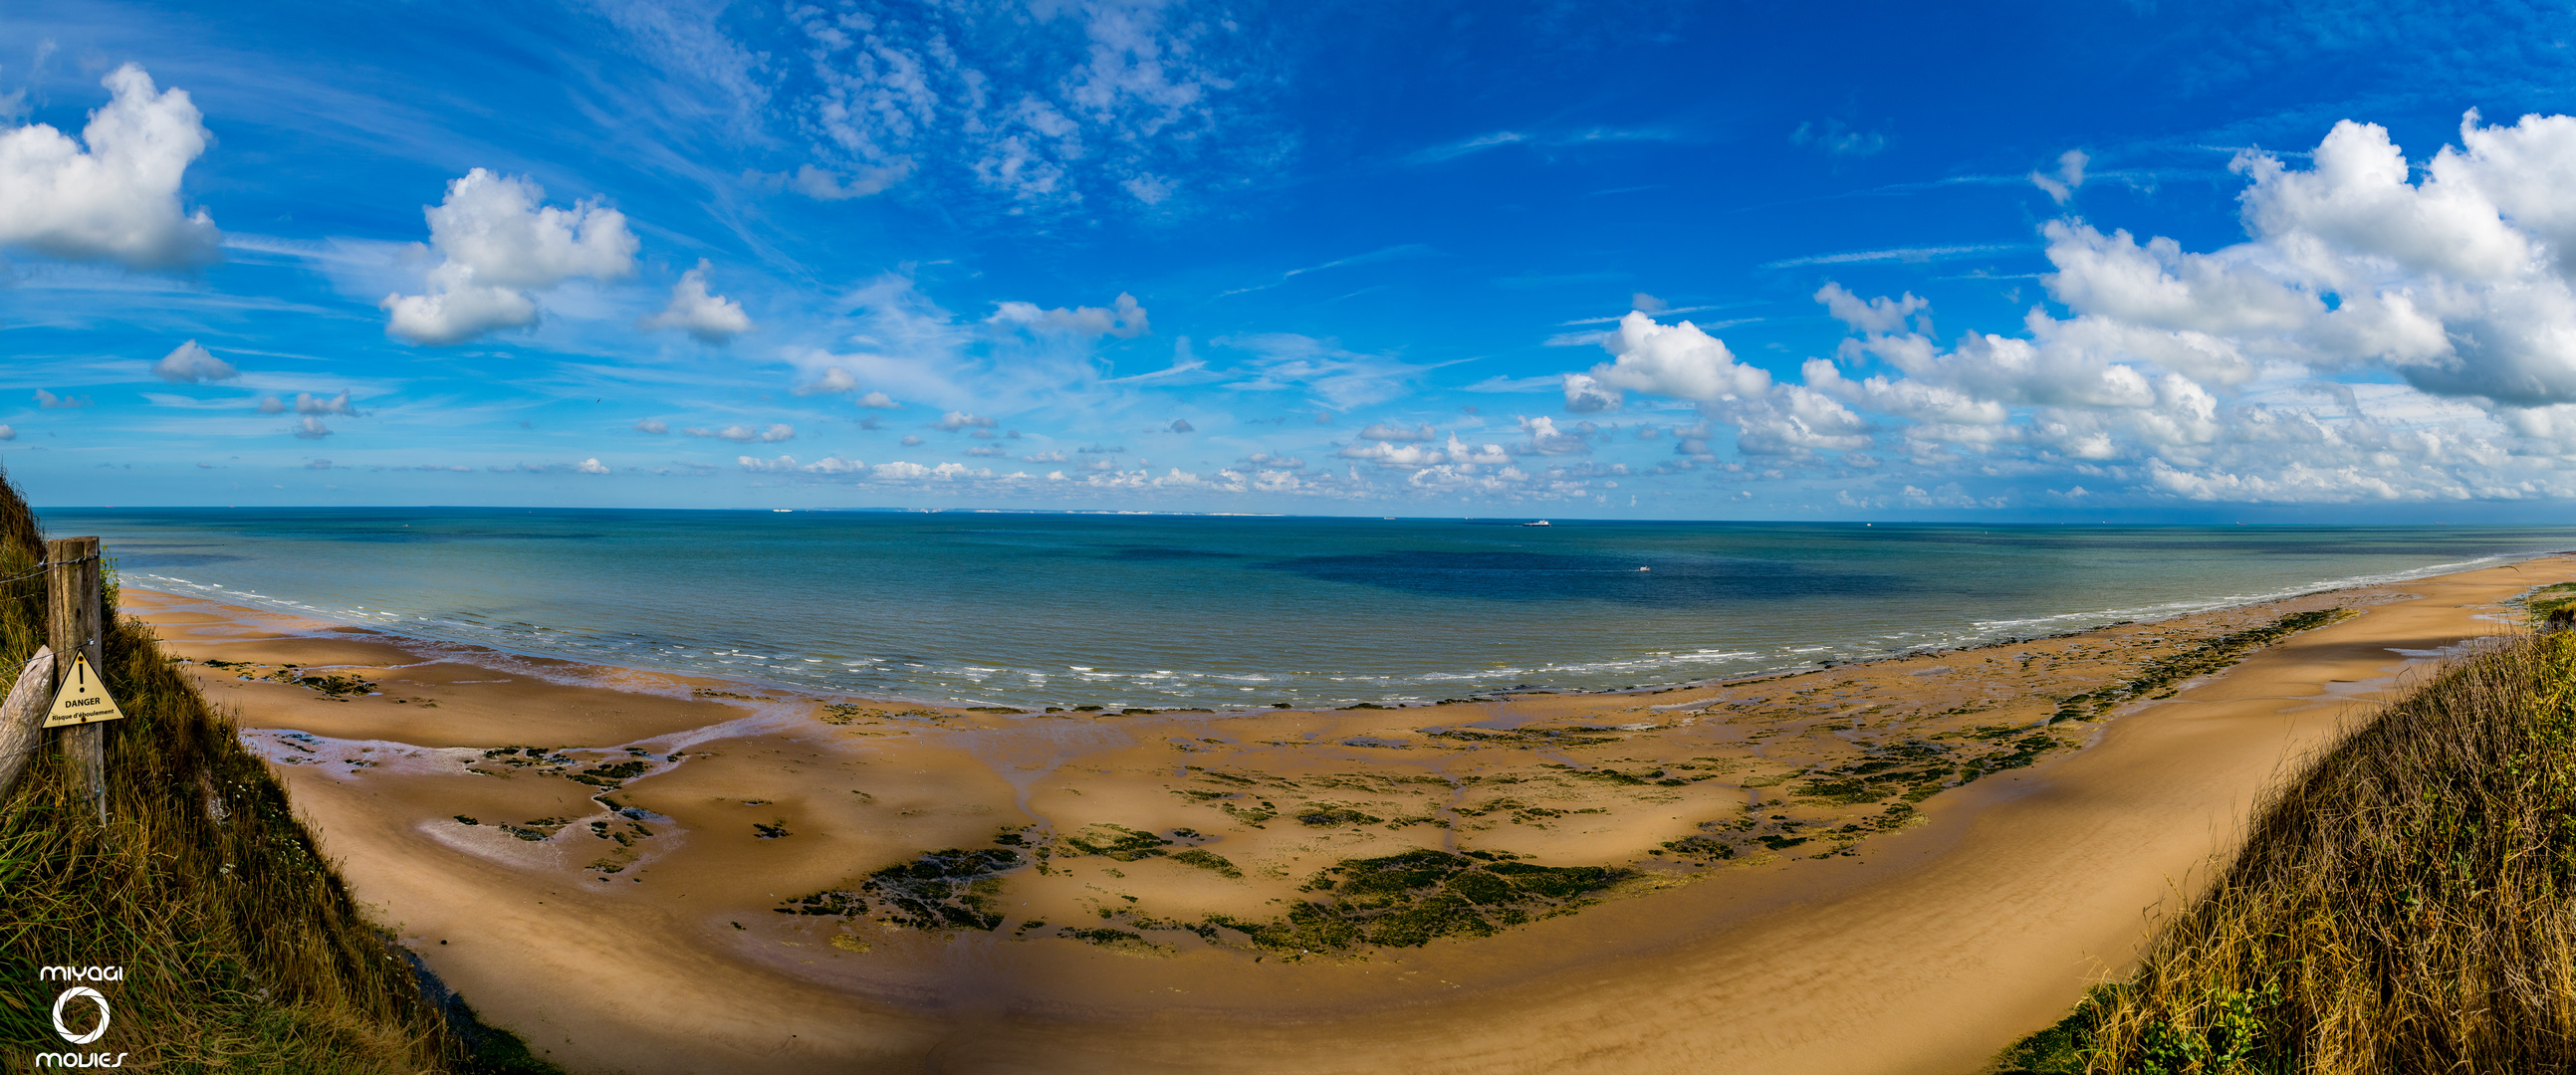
x=1541, y=522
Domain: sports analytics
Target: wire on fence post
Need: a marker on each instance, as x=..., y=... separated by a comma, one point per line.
x=72, y=628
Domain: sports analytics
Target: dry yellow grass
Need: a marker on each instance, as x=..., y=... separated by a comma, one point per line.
x=2406, y=905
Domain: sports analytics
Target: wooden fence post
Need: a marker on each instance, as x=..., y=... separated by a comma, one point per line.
x=72, y=629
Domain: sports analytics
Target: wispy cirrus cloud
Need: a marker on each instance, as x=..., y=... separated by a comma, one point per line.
x=1589, y=136
x=1406, y=252
x=1339, y=378
x=1916, y=254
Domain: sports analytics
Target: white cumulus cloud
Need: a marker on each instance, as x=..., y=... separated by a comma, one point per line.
x=1123, y=319
x=117, y=198
x=189, y=363
x=2385, y=331
x=1676, y=360
x=832, y=381
x=308, y=403
x=709, y=318
x=769, y=434
x=500, y=242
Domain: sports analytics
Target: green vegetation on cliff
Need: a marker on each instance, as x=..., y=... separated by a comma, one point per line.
x=2406, y=905
x=241, y=950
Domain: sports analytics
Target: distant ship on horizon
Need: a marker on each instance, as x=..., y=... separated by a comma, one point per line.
x=1541, y=522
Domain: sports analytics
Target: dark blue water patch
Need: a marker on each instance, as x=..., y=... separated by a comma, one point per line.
x=416, y=536
x=1166, y=552
x=1520, y=576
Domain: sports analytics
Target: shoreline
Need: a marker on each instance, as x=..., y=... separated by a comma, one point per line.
x=911, y=999
x=294, y=610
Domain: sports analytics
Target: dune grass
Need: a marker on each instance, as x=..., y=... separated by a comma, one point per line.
x=241, y=949
x=2408, y=904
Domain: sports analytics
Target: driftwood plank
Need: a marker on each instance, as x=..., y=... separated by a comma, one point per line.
x=22, y=717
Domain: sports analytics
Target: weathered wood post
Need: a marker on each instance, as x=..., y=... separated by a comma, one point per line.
x=22, y=717
x=72, y=629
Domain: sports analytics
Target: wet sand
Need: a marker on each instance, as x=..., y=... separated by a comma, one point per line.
x=1899, y=866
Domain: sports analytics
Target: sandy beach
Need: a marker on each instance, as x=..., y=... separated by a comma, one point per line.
x=1897, y=866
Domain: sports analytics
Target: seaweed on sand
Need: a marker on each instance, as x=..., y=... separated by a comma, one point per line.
x=1538, y=737
x=1115, y=841
x=1895, y=776
x=1914, y=769
x=1325, y=815
x=951, y=889
x=2210, y=655
x=1207, y=860
x=610, y=775
x=1407, y=900
x=331, y=685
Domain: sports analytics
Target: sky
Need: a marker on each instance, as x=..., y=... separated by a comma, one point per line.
x=1619, y=259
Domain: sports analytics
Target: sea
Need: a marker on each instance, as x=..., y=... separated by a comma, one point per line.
x=1227, y=612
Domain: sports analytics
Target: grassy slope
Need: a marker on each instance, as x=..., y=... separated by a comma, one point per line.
x=242, y=950
x=2407, y=905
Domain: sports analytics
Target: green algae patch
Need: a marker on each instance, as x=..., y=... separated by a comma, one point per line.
x=336, y=687
x=610, y=775
x=1909, y=771
x=1249, y=816
x=539, y=830
x=1207, y=860
x=1117, y=940
x=1410, y=899
x=1539, y=737
x=2211, y=655
x=1116, y=842
x=1894, y=776
x=951, y=889
x=333, y=686
x=1608, y=775
x=1324, y=815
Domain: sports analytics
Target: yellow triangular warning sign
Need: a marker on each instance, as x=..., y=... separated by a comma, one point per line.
x=83, y=699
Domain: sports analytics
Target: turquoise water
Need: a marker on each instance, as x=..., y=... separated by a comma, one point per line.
x=1163, y=611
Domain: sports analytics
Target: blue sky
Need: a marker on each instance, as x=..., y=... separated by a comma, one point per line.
x=2029, y=261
